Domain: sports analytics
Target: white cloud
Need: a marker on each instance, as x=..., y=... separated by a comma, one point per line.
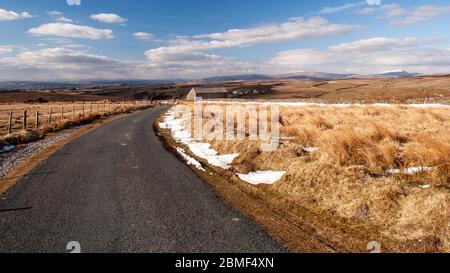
x=4, y=50
x=374, y=2
x=191, y=64
x=59, y=17
x=374, y=44
x=72, y=31
x=110, y=18
x=8, y=15
x=64, y=19
x=55, y=13
x=294, y=29
x=143, y=36
x=77, y=46
x=400, y=16
x=171, y=55
x=60, y=64
x=70, y=64
x=61, y=57
x=367, y=56
x=392, y=10
x=368, y=10
x=349, y=6
x=420, y=14
x=186, y=55
x=74, y=2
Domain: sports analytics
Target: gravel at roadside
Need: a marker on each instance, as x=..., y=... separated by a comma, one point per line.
x=13, y=158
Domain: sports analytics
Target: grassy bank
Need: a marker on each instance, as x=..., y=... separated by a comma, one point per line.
x=380, y=172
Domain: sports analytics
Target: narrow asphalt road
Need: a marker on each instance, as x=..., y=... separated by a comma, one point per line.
x=116, y=189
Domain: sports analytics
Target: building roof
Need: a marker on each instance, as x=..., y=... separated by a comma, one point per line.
x=210, y=90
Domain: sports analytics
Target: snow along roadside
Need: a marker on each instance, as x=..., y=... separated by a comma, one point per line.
x=190, y=160
x=204, y=151
x=303, y=104
x=261, y=177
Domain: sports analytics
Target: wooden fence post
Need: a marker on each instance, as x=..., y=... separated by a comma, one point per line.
x=91, y=109
x=25, y=119
x=10, y=122
x=62, y=113
x=37, y=119
x=82, y=110
x=50, y=117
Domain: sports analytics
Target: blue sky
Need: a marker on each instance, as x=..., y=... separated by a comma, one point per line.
x=85, y=39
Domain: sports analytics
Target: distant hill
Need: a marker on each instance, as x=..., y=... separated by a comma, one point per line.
x=312, y=76
x=248, y=77
x=34, y=85
x=395, y=74
x=298, y=76
x=305, y=76
x=398, y=74
x=73, y=84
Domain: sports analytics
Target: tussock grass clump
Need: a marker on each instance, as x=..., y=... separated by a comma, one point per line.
x=424, y=214
x=23, y=136
x=375, y=148
x=305, y=135
x=429, y=152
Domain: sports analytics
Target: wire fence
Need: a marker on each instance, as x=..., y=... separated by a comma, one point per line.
x=18, y=117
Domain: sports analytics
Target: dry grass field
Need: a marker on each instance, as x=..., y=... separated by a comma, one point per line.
x=384, y=167
x=365, y=89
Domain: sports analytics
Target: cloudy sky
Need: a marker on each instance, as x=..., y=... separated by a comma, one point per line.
x=135, y=39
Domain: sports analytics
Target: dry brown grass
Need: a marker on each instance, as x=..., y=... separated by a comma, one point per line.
x=60, y=111
x=365, y=89
x=348, y=174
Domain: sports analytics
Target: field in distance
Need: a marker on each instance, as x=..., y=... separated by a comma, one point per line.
x=365, y=89
x=397, y=90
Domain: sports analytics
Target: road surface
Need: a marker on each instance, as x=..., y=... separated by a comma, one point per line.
x=116, y=189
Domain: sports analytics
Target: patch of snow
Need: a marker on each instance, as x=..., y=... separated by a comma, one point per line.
x=410, y=171
x=425, y=186
x=310, y=149
x=429, y=105
x=303, y=104
x=393, y=71
x=261, y=177
x=203, y=150
x=190, y=160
